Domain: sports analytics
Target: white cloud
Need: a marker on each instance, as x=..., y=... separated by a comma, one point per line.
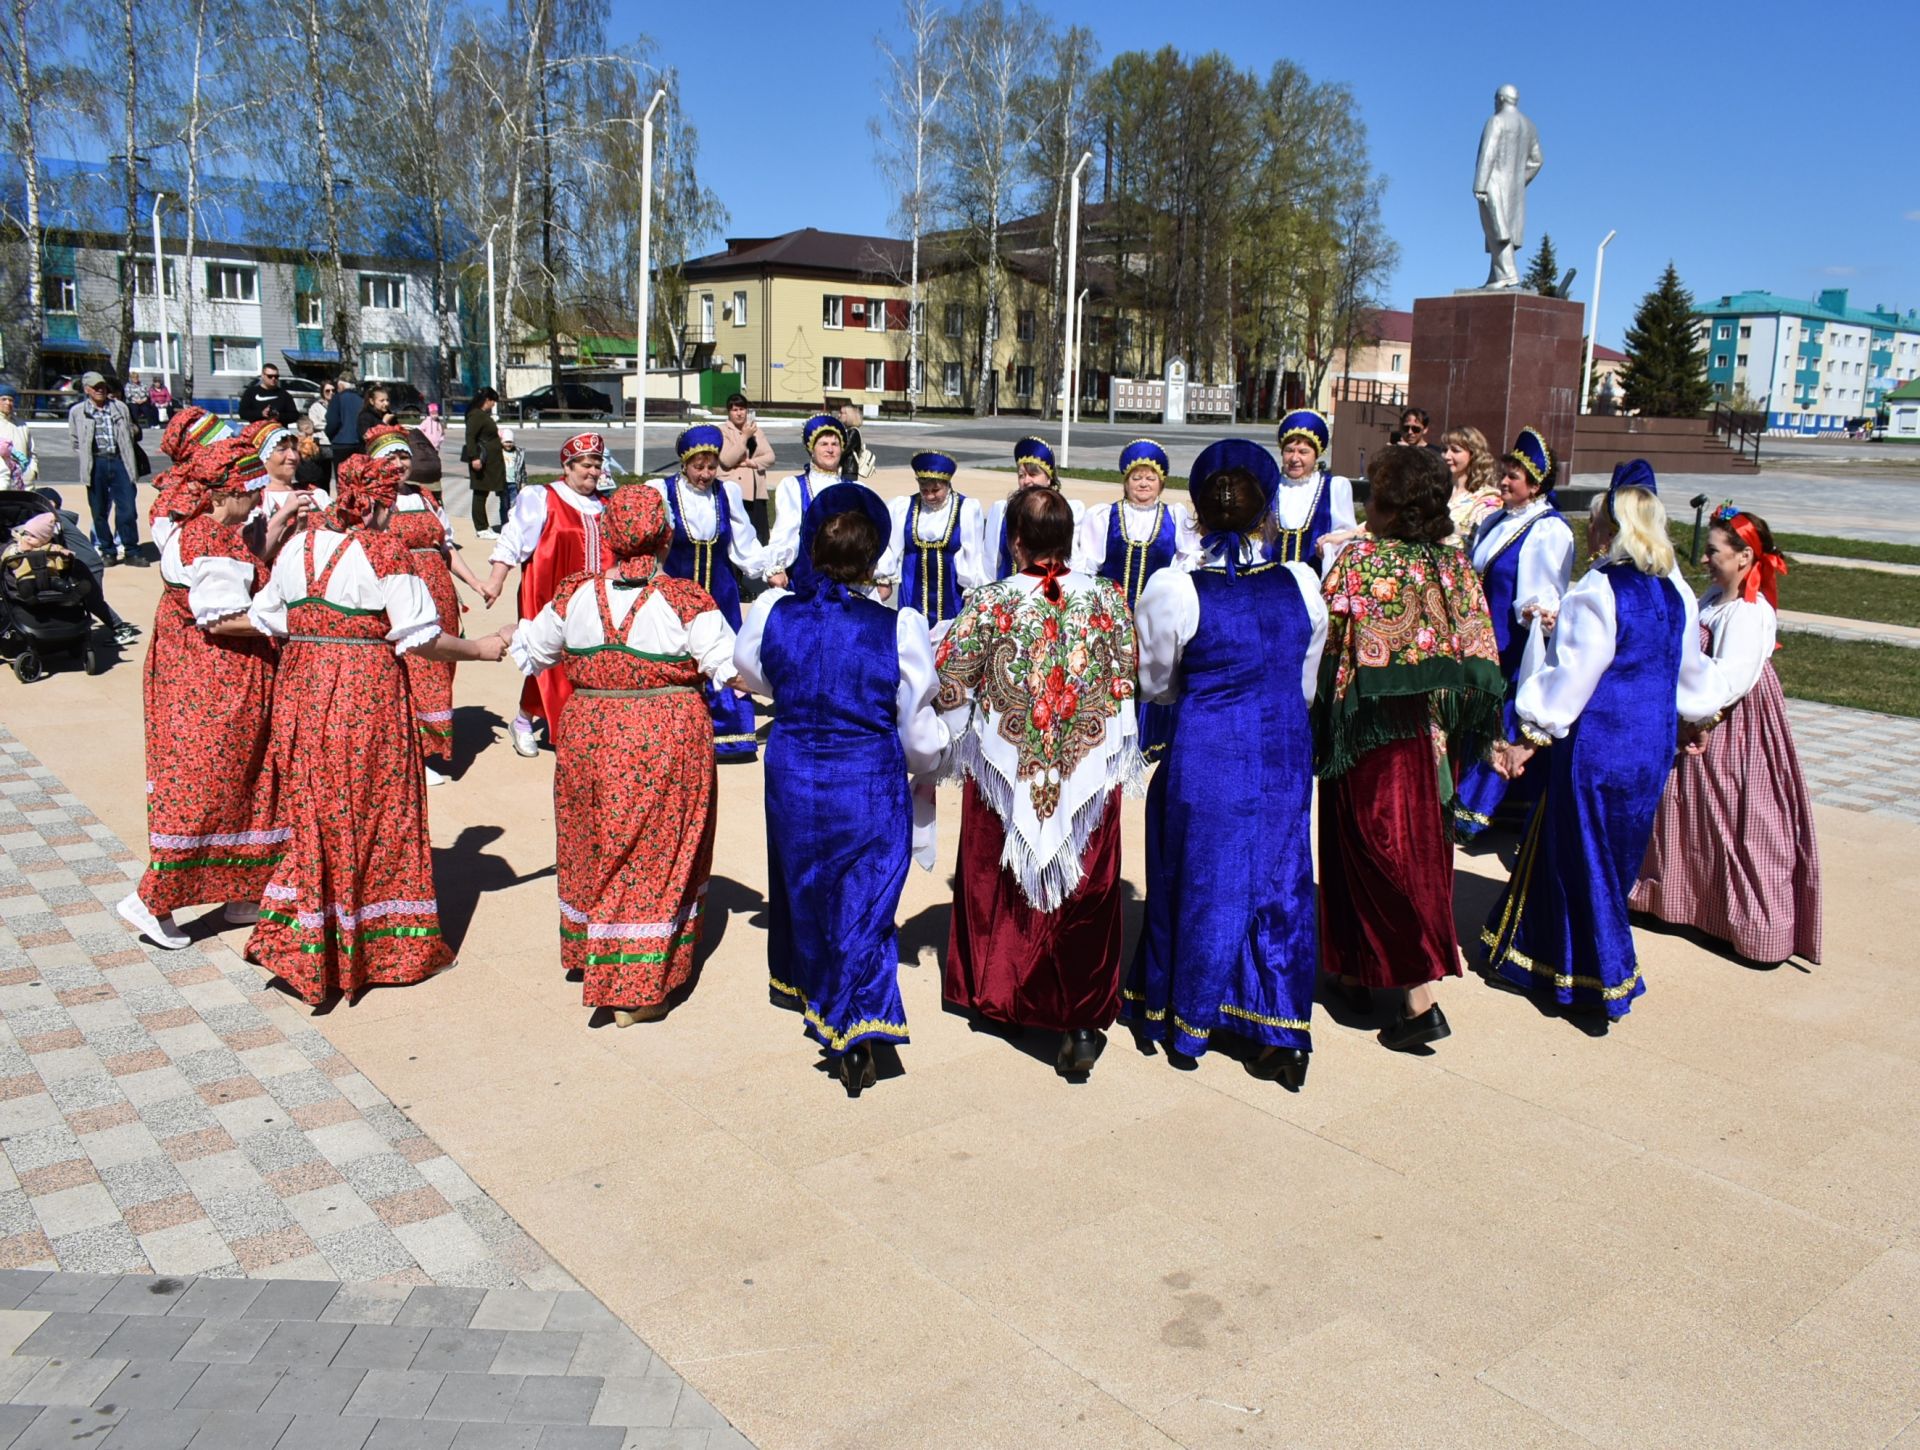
x=1839, y=271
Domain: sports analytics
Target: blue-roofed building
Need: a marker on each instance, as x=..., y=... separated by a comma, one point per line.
x=259, y=294
x=1817, y=365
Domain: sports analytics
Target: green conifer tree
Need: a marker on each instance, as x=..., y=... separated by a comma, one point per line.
x=1666, y=370
x=1544, y=275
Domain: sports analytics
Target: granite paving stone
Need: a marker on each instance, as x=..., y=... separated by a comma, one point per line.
x=156, y=1383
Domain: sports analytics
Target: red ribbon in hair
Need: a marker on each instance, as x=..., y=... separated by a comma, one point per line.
x=1049, y=576
x=1768, y=566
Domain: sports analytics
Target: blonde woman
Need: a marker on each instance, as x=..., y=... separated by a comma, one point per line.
x=1627, y=672
x=1476, y=482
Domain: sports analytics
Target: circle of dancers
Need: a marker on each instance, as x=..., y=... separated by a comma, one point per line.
x=1433, y=672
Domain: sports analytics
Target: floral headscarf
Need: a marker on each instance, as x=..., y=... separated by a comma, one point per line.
x=363, y=483
x=213, y=471
x=634, y=524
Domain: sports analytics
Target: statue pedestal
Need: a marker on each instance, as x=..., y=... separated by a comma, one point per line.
x=1499, y=361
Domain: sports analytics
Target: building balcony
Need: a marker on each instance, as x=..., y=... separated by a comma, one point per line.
x=698, y=332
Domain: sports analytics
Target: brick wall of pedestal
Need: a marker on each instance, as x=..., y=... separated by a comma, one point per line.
x=1500, y=362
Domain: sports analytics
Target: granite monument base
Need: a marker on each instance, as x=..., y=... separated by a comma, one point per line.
x=1499, y=360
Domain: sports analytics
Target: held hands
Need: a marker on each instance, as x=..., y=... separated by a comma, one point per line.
x=492, y=648
x=1510, y=758
x=778, y=578
x=490, y=591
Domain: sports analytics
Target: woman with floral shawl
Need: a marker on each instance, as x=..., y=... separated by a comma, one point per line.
x=1410, y=683
x=1037, y=687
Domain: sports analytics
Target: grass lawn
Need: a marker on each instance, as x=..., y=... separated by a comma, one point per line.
x=1856, y=673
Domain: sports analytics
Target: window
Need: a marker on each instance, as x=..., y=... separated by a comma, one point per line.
x=877, y=315
x=227, y=283
x=920, y=318
x=142, y=270
x=1126, y=332
x=1746, y=332
x=740, y=364
x=1023, y=325
x=145, y=357
x=1096, y=331
x=309, y=310
x=1725, y=332
x=876, y=375
x=950, y=379
x=830, y=370
x=389, y=364
x=831, y=311
x=740, y=311
x=1397, y=361
x=382, y=291
x=1023, y=381
x=61, y=295
x=1741, y=360
x=919, y=377
x=1719, y=359
x=235, y=354
x=956, y=320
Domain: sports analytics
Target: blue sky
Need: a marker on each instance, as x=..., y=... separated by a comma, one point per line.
x=1718, y=138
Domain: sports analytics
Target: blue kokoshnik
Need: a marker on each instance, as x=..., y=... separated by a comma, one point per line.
x=836, y=782
x=1302, y=545
x=709, y=563
x=927, y=581
x=1130, y=565
x=1231, y=938
x=1482, y=792
x=1561, y=928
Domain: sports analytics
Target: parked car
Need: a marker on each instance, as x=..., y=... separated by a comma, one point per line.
x=571, y=399
x=302, y=390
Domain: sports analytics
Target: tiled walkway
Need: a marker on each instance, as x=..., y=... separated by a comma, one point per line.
x=1858, y=761
x=234, y=1364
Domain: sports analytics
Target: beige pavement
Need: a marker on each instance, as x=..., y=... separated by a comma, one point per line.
x=1703, y=1229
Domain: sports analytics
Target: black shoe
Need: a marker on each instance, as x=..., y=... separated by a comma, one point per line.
x=1405, y=1032
x=856, y=1069
x=1079, y=1050
x=138, y=559
x=1284, y=1065
x=107, y=561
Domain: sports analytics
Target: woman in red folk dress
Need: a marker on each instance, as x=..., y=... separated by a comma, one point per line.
x=208, y=692
x=634, y=784
x=552, y=533
x=351, y=903
x=421, y=524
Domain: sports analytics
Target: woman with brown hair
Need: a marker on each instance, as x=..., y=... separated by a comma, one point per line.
x=854, y=683
x=1410, y=677
x=1037, y=686
x=1476, y=482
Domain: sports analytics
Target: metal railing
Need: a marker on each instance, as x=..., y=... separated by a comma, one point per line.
x=1740, y=431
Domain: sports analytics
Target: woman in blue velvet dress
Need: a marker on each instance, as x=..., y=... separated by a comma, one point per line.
x=1131, y=541
x=1230, y=943
x=1627, y=670
x=712, y=535
x=1524, y=555
x=1313, y=511
x=1033, y=467
x=855, y=683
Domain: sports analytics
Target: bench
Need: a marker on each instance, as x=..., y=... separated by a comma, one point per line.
x=895, y=408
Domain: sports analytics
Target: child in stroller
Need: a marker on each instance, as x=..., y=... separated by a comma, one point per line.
x=47, y=591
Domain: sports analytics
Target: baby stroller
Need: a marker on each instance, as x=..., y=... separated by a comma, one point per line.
x=43, y=608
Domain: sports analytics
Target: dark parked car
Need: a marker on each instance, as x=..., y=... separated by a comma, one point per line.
x=569, y=399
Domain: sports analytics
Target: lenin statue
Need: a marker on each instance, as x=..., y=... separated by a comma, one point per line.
x=1509, y=160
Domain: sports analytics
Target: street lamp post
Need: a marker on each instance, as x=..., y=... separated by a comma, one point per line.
x=1073, y=277
x=493, y=330
x=1593, y=324
x=1079, y=339
x=646, y=268
x=160, y=297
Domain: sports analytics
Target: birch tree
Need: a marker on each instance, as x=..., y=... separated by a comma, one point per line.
x=918, y=73
x=26, y=92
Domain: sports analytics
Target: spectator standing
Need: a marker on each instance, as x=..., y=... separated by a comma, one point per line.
x=1416, y=429
x=378, y=410
x=137, y=401
x=14, y=433
x=344, y=423
x=103, y=434
x=312, y=471
x=745, y=457
x=433, y=427
x=317, y=409
x=855, y=462
x=265, y=398
x=515, y=459
x=486, y=465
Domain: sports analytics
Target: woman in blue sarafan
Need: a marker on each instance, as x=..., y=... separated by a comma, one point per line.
x=712, y=535
x=1312, y=503
x=855, y=683
x=1131, y=541
x=1627, y=669
x=1033, y=468
x=1524, y=556
x=1231, y=942
x=938, y=546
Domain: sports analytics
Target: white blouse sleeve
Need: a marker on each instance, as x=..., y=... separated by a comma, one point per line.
x=1186, y=537
x=268, y=611
x=896, y=550
x=1316, y=602
x=539, y=642
x=922, y=736
x=746, y=645
x=1703, y=690
x=218, y=589
x=783, y=539
x=1090, y=539
x=412, y=618
x=1545, y=567
x=1340, y=502
x=1583, y=648
x=520, y=535
x=710, y=641
x=164, y=528
x=748, y=552
x=1743, y=641
x=973, y=567
x=1164, y=620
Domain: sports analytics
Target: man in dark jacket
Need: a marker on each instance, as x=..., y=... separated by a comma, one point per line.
x=265, y=398
x=486, y=463
x=344, y=425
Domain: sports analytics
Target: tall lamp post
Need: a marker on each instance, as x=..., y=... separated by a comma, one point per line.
x=1073, y=279
x=1593, y=323
x=160, y=297
x=1079, y=342
x=646, y=271
x=493, y=329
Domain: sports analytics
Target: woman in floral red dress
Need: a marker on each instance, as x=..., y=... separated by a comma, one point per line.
x=634, y=783
x=420, y=524
x=208, y=692
x=351, y=903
